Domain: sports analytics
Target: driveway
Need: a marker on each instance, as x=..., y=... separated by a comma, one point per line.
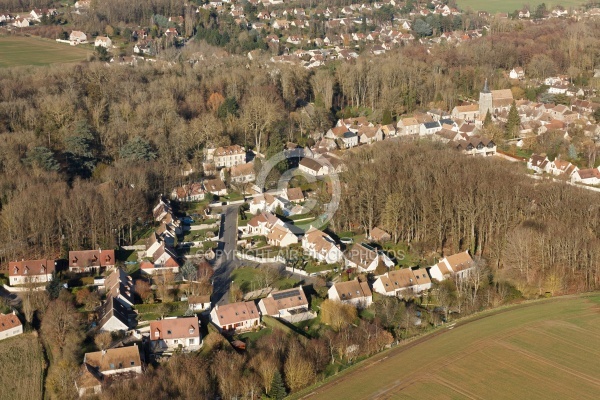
x=225, y=261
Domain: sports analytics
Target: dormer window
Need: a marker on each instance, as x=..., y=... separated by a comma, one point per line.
x=156, y=333
x=26, y=270
x=16, y=270
x=191, y=330
x=168, y=332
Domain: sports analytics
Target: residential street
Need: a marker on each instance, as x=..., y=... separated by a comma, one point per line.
x=225, y=261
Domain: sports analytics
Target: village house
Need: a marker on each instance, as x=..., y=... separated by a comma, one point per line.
x=351, y=292
x=458, y=265
x=379, y=235
x=163, y=259
x=262, y=223
x=312, y=167
x=103, y=41
x=242, y=173
x=265, y=202
x=402, y=282
x=537, y=163
x=229, y=156
x=342, y=135
x=281, y=236
x=100, y=368
x=169, y=334
x=589, y=176
x=408, y=126
x=467, y=113
x=186, y=193
x=368, y=134
x=516, y=73
x=115, y=317
x=161, y=210
x=294, y=195
x=215, y=186
x=561, y=167
x=476, y=146
x=198, y=303
x=90, y=260
x=30, y=271
x=321, y=246
x=235, y=317
x=284, y=303
x=362, y=257
x=77, y=37
x=119, y=285
x=10, y=326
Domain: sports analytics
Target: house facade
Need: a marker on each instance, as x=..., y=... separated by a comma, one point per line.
x=235, y=317
x=103, y=367
x=228, y=156
x=170, y=334
x=403, y=282
x=10, y=326
x=321, y=246
x=30, y=271
x=351, y=292
x=459, y=265
x=91, y=260
x=284, y=303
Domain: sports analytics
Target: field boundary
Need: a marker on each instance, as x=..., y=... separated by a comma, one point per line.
x=416, y=340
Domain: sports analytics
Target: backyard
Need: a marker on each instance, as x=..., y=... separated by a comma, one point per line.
x=21, y=361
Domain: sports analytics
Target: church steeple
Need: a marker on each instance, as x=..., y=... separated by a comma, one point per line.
x=486, y=89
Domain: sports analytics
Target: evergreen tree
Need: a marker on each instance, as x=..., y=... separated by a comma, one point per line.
x=79, y=151
x=53, y=287
x=387, y=117
x=277, y=388
x=137, y=149
x=512, y=125
x=42, y=157
x=488, y=120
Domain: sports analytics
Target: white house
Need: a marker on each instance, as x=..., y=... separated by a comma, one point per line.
x=198, y=303
x=114, y=316
x=163, y=259
x=103, y=41
x=321, y=246
x=228, y=156
x=516, y=73
x=429, y=128
x=284, y=303
x=10, y=325
x=363, y=257
x=77, y=37
x=368, y=134
x=351, y=292
x=455, y=265
x=262, y=224
x=281, y=236
x=174, y=333
x=242, y=173
x=215, y=186
x=235, y=317
x=538, y=163
x=30, y=271
x=265, y=202
x=590, y=176
x=312, y=167
x=408, y=126
x=402, y=282
x=191, y=192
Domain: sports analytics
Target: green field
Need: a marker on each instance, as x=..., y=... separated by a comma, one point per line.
x=21, y=368
x=543, y=350
x=494, y=6
x=17, y=51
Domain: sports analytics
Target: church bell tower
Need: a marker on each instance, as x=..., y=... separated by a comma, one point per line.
x=485, y=101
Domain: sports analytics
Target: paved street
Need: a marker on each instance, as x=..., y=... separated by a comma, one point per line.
x=225, y=261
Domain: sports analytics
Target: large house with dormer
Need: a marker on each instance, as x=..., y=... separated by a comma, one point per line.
x=170, y=334
x=321, y=246
x=91, y=260
x=30, y=271
x=351, y=292
x=457, y=265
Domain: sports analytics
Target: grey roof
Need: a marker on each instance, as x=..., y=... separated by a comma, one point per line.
x=349, y=135
x=430, y=125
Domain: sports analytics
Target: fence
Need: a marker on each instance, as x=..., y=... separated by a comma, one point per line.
x=276, y=259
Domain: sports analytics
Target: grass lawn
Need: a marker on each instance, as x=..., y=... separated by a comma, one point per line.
x=150, y=312
x=495, y=6
x=312, y=268
x=254, y=336
x=540, y=350
x=19, y=51
x=21, y=361
x=247, y=278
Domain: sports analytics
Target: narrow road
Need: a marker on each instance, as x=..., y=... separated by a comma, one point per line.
x=225, y=261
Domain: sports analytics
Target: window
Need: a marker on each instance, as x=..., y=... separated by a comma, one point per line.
x=192, y=341
x=175, y=341
x=112, y=366
x=156, y=333
x=169, y=332
x=132, y=363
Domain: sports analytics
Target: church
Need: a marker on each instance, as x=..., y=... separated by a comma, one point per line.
x=492, y=101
